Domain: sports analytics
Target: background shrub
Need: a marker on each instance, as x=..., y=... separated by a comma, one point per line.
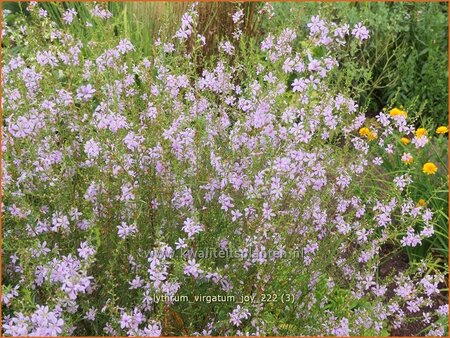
x=404, y=63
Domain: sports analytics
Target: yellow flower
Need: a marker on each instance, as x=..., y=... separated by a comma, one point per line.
x=364, y=131
x=405, y=140
x=429, y=168
x=372, y=136
x=397, y=112
x=442, y=130
x=421, y=203
x=421, y=132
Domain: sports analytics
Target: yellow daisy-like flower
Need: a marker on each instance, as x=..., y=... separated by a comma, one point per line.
x=364, y=131
x=405, y=140
x=421, y=203
x=429, y=168
x=442, y=130
x=398, y=112
x=372, y=136
x=421, y=132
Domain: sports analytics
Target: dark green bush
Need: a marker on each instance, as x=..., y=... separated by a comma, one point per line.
x=403, y=63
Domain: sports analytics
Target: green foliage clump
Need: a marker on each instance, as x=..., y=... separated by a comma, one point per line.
x=404, y=63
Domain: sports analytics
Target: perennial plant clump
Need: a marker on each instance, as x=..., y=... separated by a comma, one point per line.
x=124, y=176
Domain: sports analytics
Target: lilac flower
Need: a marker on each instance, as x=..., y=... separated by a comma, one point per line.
x=85, y=93
x=46, y=58
x=420, y=142
x=227, y=47
x=311, y=247
x=127, y=192
x=42, y=12
x=360, y=32
x=126, y=230
x=429, y=286
x=152, y=330
x=85, y=251
x=92, y=148
x=192, y=268
x=343, y=181
x=342, y=31
x=169, y=47
x=402, y=181
x=235, y=215
x=69, y=15
x=342, y=330
x=42, y=322
x=136, y=283
x=42, y=249
x=238, y=314
x=436, y=331
x=90, y=314
x=187, y=20
x=202, y=39
x=125, y=46
x=267, y=211
x=125, y=321
x=226, y=202
x=191, y=228
x=315, y=25
x=132, y=141
x=405, y=290
x=59, y=221
x=16, y=63
x=183, y=34
x=427, y=215
x=186, y=27
x=442, y=310
x=157, y=270
x=267, y=43
x=299, y=85
x=101, y=12
x=180, y=244
x=237, y=16
x=377, y=161
x=8, y=297
x=276, y=188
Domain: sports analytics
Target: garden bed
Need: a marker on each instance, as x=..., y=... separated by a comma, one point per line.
x=225, y=184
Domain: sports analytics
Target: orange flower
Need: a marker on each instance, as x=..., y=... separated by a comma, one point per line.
x=364, y=131
x=372, y=136
x=398, y=112
x=421, y=132
x=442, y=130
x=405, y=140
x=421, y=203
x=429, y=168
